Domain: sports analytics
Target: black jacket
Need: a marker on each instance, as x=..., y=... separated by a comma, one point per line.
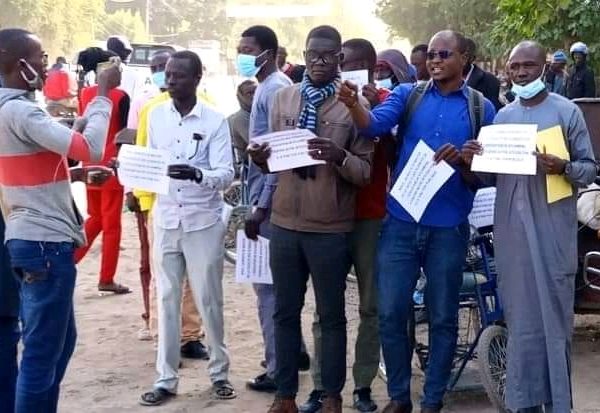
x=9, y=289
x=581, y=83
x=487, y=84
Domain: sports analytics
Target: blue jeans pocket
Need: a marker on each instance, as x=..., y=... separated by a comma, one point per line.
x=27, y=259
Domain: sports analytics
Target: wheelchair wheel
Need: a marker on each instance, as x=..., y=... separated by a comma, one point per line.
x=491, y=357
x=236, y=222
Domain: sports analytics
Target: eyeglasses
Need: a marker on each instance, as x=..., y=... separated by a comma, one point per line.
x=443, y=54
x=327, y=57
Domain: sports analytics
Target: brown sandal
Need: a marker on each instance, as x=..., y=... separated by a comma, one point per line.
x=114, y=288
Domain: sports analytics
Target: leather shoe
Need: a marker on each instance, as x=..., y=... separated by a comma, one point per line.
x=314, y=402
x=262, y=383
x=430, y=410
x=363, y=401
x=332, y=404
x=396, y=407
x=281, y=405
x=194, y=350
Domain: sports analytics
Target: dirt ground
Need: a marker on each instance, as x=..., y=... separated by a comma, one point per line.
x=111, y=368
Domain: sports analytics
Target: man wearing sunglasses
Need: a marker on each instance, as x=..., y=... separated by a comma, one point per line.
x=313, y=214
x=437, y=243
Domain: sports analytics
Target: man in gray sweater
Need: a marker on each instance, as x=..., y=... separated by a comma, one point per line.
x=43, y=226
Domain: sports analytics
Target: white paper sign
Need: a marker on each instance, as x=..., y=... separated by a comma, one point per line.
x=507, y=149
x=252, y=260
x=226, y=213
x=420, y=180
x=359, y=77
x=289, y=149
x=144, y=168
x=482, y=214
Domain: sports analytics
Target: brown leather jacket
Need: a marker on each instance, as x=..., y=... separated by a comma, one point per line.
x=327, y=203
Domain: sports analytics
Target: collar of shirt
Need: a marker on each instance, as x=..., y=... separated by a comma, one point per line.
x=196, y=110
x=463, y=89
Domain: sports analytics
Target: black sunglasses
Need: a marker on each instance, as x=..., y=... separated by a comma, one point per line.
x=443, y=54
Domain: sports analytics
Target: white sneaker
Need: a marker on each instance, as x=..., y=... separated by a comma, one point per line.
x=144, y=334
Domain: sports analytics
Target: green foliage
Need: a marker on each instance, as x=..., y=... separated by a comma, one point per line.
x=498, y=25
x=554, y=23
x=126, y=23
x=418, y=20
x=182, y=21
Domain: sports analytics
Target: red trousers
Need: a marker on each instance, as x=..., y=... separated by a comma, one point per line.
x=104, y=208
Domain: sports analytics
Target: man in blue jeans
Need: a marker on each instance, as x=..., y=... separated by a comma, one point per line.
x=43, y=226
x=438, y=242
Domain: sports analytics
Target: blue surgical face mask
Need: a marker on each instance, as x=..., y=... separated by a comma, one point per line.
x=246, y=64
x=384, y=83
x=159, y=79
x=530, y=90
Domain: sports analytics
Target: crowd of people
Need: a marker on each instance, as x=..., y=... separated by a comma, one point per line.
x=321, y=220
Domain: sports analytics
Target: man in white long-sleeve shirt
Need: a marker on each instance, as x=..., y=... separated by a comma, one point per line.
x=188, y=230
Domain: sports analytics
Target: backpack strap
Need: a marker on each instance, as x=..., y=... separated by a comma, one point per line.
x=476, y=111
x=413, y=101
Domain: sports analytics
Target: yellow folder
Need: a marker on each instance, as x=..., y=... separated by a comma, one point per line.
x=552, y=142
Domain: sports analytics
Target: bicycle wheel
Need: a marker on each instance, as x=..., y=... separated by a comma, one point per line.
x=235, y=223
x=491, y=357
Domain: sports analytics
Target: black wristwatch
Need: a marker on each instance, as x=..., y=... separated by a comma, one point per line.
x=568, y=168
x=197, y=176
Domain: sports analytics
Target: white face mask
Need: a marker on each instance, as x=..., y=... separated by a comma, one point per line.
x=37, y=83
x=530, y=90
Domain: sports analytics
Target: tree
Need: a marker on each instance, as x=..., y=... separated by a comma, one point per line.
x=418, y=20
x=182, y=21
x=125, y=23
x=554, y=23
x=61, y=24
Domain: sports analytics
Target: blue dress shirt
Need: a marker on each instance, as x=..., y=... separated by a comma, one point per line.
x=439, y=119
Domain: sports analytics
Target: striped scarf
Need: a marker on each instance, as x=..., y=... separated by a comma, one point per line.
x=313, y=97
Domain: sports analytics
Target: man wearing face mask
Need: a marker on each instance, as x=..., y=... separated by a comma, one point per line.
x=313, y=212
x=392, y=69
x=43, y=225
x=535, y=242
x=581, y=82
x=259, y=45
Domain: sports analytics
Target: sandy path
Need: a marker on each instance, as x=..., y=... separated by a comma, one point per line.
x=111, y=368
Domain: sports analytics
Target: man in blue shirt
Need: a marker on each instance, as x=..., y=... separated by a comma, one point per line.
x=438, y=242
